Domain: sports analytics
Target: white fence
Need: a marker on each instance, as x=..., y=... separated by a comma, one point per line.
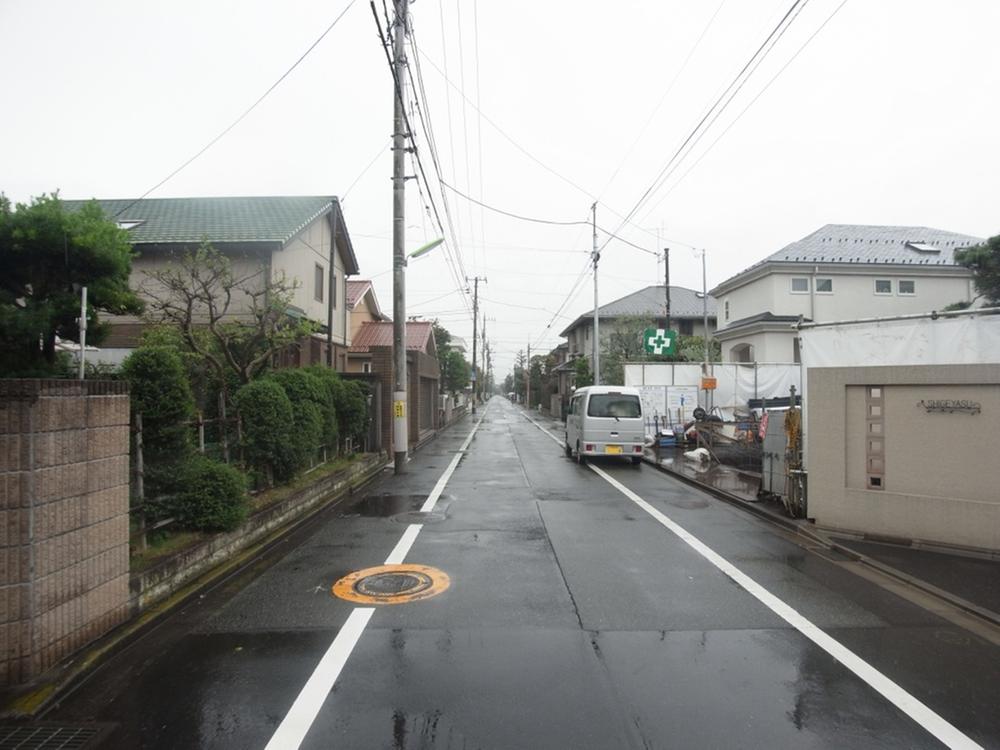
x=736, y=382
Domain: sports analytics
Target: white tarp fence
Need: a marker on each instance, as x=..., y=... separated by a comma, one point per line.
x=970, y=339
x=736, y=382
x=965, y=339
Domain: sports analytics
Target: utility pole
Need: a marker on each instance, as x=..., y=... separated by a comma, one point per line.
x=704, y=305
x=83, y=331
x=400, y=435
x=666, y=282
x=596, y=256
x=475, y=334
x=527, y=380
x=332, y=280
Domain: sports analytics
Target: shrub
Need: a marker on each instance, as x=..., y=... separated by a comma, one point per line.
x=312, y=410
x=160, y=392
x=268, y=428
x=212, y=496
x=350, y=402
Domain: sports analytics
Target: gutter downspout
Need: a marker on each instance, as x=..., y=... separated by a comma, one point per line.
x=332, y=280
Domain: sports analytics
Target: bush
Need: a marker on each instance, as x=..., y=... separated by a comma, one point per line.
x=268, y=428
x=312, y=410
x=160, y=392
x=212, y=496
x=350, y=403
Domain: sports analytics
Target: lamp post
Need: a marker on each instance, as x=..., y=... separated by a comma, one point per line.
x=400, y=433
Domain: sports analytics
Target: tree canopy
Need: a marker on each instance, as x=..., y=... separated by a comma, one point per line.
x=47, y=253
x=237, y=323
x=984, y=262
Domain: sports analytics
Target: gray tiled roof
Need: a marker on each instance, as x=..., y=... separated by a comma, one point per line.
x=649, y=302
x=851, y=243
x=859, y=244
x=249, y=219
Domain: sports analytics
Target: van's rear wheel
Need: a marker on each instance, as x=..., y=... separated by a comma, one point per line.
x=636, y=460
x=580, y=458
x=569, y=451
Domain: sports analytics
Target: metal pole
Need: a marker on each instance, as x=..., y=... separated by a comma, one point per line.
x=595, y=257
x=704, y=305
x=329, y=292
x=475, y=322
x=666, y=283
x=83, y=329
x=400, y=436
x=527, y=380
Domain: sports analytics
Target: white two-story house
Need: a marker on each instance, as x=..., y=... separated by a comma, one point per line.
x=839, y=272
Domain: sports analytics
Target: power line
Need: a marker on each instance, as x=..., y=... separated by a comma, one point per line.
x=240, y=119
x=711, y=110
x=364, y=171
x=666, y=93
x=399, y=94
x=750, y=104
x=552, y=222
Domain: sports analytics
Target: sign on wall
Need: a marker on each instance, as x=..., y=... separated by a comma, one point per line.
x=659, y=341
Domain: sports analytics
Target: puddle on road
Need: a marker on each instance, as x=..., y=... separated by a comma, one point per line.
x=383, y=506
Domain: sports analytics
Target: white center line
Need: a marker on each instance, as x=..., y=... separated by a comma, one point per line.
x=300, y=717
x=923, y=715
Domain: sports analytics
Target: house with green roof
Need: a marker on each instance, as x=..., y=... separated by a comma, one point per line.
x=302, y=237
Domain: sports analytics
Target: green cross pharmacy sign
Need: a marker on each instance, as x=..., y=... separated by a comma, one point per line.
x=659, y=341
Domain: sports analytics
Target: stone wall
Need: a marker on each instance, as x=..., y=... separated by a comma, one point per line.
x=64, y=525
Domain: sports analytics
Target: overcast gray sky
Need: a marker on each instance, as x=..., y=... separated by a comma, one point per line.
x=888, y=116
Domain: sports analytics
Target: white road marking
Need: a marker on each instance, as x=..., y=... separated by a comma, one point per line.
x=923, y=715
x=300, y=717
x=432, y=499
x=402, y=547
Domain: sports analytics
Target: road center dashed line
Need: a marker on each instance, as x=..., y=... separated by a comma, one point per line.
x=300, y=717
x=923, y=715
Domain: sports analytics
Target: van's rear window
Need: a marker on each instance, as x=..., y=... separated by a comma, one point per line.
x=614, y=405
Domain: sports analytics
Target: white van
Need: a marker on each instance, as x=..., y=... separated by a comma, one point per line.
x=605, y=420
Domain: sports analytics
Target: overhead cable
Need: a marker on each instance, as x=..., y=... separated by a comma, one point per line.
x=246, y=112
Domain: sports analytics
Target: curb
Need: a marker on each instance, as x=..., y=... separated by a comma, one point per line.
x=987, y=615
x=28, y=701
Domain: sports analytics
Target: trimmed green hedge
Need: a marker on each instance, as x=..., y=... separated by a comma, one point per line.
x=268, y=425
x=212, y=496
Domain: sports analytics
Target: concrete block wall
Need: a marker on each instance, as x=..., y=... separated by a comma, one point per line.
x=64, y=525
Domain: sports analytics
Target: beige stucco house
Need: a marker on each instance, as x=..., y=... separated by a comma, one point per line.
x=362, y=307
x=303, y=238
x=839, y=272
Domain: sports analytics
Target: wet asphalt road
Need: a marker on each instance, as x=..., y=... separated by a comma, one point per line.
x=574, y=619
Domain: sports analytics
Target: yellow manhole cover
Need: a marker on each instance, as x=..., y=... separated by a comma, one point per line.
x=391, y=584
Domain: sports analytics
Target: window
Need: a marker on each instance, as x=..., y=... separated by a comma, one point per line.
x=685, y=327
x=797, y=350
x=875, y=441
x=824, y=286
x=800, y=285
x=614, y=405
x=318, y=276
x=727, y=310
x=333, y=289
x=906, y=286
x=366, y=367
x=883, y=286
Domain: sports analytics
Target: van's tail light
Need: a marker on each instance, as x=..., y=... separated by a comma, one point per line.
x=588, y=447
x=637, y=448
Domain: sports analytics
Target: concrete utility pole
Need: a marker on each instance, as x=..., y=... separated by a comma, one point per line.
x=332, y=280
x=596, y=256
x=400, y=436
x=666, y=282
x=527, y=380
x=704, y=304
x=475, y=328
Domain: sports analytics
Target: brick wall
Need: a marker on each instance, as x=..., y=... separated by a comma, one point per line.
x=64, y=496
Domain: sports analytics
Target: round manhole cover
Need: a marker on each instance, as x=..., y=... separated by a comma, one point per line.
x=391, y=584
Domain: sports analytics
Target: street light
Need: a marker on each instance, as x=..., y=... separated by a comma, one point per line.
x=400, y=434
